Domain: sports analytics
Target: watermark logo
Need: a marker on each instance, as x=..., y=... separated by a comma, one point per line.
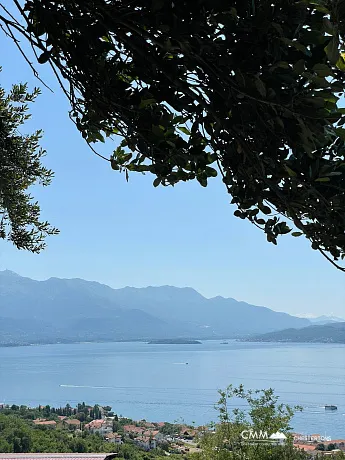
x=311, y=438
x=280, y=438
x=252, y=435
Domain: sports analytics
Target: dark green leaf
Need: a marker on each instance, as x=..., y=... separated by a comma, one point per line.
x=157, y=131
x=299, y=67
x=290, y=171
x=260, y=86
x=332, y=51
x=264, y=209
x=295, y=44
x=202, y=181
x=44, y=57
x=184, y=130
x=282, y=228
x=341, y=64
x=323, y=70
x=114, y=165
x=146, y=102
x=323, y=179
x=211, y=172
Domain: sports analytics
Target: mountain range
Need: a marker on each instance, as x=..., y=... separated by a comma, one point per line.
x=72, y=310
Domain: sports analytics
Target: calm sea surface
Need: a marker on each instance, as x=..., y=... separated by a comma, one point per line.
x=154, y=382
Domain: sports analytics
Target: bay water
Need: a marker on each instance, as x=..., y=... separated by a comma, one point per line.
x=179, y=382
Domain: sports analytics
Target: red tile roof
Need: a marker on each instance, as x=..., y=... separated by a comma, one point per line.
x=306, y=447
x=133, y=429
x=95, y=423
x=151, y=433
x=45, y=422
x=148, y=425
x=72, y=421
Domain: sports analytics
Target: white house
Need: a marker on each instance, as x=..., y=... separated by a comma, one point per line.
x=145, y=442
x=115, y=438
x=99, y=426
x=154, y=434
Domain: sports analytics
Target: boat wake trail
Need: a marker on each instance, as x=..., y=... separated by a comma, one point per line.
x=86, y=386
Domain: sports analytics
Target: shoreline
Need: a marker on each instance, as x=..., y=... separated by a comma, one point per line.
x=165, y=342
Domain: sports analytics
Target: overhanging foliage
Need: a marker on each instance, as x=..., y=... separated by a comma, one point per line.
x=245, y=89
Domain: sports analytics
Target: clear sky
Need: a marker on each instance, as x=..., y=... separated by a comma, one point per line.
x=132, y=234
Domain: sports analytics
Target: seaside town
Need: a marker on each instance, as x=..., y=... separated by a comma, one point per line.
x=112, y=431
x=83, y=421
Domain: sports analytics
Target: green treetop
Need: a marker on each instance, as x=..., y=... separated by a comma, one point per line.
x=20, y=169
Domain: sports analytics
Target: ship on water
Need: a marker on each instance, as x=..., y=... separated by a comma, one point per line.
x=330, y=407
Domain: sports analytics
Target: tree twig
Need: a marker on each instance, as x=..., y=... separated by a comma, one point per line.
x=16, y=42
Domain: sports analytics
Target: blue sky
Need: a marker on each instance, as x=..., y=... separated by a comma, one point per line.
x=132, y=234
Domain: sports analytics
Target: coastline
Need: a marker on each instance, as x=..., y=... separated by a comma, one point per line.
x=168, y=342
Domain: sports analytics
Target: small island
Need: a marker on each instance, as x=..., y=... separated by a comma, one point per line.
x=174, y=342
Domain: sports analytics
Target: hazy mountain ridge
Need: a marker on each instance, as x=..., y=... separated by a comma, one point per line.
x=78, y=310
x=321, y=320
x=327, y=333
x=220, y=315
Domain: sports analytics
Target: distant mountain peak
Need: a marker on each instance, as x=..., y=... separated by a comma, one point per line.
x=9, y=273
x=167, y=289
x=174, y=288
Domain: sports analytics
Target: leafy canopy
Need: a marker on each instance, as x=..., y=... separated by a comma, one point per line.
x=20, y=168
x=262, y=415
x=248, y=89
